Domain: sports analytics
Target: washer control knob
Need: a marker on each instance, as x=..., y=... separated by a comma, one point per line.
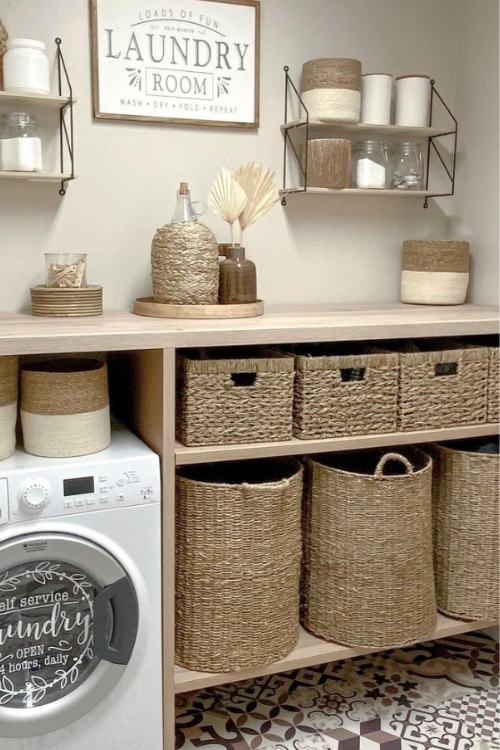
x=35, y=493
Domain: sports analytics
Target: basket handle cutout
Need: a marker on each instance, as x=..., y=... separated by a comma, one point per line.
x=379, y=470
x=445, y=368
x=352, y=374
x=243, y=379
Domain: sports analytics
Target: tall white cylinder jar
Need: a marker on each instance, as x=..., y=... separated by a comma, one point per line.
x=376, y=96
x=26, y=67
x=413, y=100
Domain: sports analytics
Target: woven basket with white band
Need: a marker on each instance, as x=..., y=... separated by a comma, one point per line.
x=8, y=405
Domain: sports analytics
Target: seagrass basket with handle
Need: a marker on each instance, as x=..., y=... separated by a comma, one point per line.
x=368, y=571
x=8, y=405
x=238, y=551
x=465, y=526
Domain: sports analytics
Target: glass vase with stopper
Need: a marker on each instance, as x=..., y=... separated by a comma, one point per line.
x=237, y=277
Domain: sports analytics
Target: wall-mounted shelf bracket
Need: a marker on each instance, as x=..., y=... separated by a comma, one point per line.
x=66, y=127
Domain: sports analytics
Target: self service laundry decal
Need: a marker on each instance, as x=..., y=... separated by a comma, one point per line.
x=189, y=60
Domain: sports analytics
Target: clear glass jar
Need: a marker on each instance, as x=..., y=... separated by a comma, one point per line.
x=407, y=166
x=20, y=144
x=66, y=270
x=370, y=162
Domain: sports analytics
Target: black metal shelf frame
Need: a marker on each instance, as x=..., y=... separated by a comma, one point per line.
x=432, y=147
x=66, y=136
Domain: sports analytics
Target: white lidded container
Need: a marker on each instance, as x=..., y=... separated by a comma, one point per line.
x=20, y=144
x=413, y=100
x=26, y=67
x=376, y=97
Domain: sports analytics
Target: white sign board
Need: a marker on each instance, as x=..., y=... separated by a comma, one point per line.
x=184, y=61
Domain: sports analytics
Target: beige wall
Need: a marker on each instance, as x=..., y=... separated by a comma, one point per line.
x=317, y=249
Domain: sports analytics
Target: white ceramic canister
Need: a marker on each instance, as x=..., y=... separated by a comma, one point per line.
x=413, y=99
x=26, y=67
x=376, y=97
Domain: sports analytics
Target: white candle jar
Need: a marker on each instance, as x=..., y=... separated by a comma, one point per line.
x=370, y=165
x=376, y=97
x=26, y=67
x=413, y=99
x=20, y=144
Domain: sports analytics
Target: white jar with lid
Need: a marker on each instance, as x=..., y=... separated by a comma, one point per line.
x=413, y=101
x=26, y=67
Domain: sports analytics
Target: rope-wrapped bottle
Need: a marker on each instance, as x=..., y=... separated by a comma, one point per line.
x=185, y=258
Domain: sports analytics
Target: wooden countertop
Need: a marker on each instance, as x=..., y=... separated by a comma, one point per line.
x=122, y=330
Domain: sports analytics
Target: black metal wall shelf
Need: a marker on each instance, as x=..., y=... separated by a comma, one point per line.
x=311, y=128
x=64, y=104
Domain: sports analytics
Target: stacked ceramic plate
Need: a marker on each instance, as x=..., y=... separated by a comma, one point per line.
x=66, y=303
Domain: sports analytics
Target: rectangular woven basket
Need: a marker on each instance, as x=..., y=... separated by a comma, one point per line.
x=344, y=390
x=494, y=386
x=234, y=396
x=442, y=384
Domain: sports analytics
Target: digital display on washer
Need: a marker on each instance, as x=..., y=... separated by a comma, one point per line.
x=78, y=486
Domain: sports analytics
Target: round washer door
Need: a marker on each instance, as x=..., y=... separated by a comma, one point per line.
x=68, y=625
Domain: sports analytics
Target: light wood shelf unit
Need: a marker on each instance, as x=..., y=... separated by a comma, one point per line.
x=148, y=349
x=309, y=652
x=346, y=192
x=38, y=101
x=37, y=176
x=361, y=130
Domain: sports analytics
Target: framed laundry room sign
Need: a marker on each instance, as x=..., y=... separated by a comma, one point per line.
x=179, y=61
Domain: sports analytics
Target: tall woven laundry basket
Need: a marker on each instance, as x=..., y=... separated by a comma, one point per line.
x=368, y=577
x=8, y=405
x=465, y=510
x=238, y=551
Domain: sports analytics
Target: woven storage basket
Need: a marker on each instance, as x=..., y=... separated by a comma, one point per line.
x=465, y=506
x=329, y=163
x=442, y=384
x=344, y=390
x=8, y=405
x=494, y=386
x=234, y=396
x=237, y=564
x=65, y=407
x=185, y=265
x=331, y=89
x=435, y=272
x=368, y=577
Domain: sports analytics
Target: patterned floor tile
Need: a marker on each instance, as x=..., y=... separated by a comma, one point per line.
x=435, y=696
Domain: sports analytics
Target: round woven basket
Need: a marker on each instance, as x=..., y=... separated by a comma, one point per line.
x=465, y=510
x=329, y=163
x=435, y=272
x=8, y=405
x=185, y=265
x=65, y=407
x=368, y=576
x=238, y=553
x=331, y=89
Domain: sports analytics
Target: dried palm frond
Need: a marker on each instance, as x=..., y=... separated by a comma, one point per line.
x=261, y=191
x=227, y=198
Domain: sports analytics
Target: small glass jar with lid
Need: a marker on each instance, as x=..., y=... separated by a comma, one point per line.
x=370, y=162
x=20, y=144
x=407, y=166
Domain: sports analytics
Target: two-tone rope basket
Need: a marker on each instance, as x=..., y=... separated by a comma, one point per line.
x=234, y=396
x=65, y=407
x=494, y=386
x=8, y=405
x=368, y=571
x=442, y=385
x=344, y=390
x=185, y=265
x=238, y=550
x=465, y=509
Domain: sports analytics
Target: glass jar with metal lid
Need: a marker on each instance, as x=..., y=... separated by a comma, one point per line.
x=20, y=144
x=407, y=166
x=370, y=161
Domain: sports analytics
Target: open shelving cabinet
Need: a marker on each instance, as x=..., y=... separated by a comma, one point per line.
x=310, y=128
x=144, y=353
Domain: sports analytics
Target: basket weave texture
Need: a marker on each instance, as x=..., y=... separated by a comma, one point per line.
x=465, y=508
x=331, y=402
x=8, y=405
x=234, y=397
x=494, y=386
x=443, y=388
x=368, y=571
x=185, y=265
x=237, y=565
x=8, y=380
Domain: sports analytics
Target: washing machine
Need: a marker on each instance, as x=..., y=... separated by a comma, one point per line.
x=80, y=600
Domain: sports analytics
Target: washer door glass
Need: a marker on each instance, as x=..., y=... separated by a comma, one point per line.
x=46, y=632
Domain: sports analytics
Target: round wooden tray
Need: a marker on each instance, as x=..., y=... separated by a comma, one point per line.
x=147, y=306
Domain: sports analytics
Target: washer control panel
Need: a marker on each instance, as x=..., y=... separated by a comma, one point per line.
x=126, y=474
